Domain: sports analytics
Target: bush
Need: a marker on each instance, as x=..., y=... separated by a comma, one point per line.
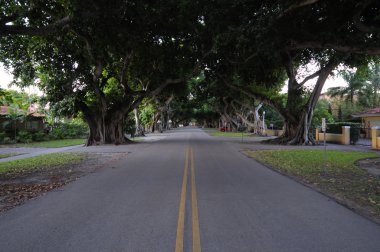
x=24, y=137
x=2, y=136
x=38, y=136
x=277, y=125
x=69, y=130
x=336, y=128
x=57, y=133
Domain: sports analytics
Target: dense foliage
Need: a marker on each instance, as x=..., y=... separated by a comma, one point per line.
x=106, y=59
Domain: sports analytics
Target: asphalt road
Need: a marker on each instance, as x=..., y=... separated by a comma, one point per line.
x=187, y=191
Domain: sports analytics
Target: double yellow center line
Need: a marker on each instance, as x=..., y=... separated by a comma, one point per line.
x=194, y=207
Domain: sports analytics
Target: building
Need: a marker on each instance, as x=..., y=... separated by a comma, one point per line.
x=31, y=121
x=370, y=118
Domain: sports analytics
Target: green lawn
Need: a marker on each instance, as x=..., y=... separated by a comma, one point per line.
x=217, y=133
x=343, y=178
x=8, y=155
x=41, y=162
x=48, y=144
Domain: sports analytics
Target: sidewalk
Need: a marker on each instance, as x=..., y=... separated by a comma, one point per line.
x=33, y=153
x=108, y=148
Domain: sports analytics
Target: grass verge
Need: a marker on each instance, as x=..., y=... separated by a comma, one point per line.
x=343, y=180
x=217, y=133
x=8, y=155
x=48, y=144
x=53, y=160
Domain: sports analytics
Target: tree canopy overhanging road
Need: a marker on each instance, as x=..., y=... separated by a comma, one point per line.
x=123, y=64
x=106, y=59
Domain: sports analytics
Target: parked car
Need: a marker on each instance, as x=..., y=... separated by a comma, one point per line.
x=225, y=129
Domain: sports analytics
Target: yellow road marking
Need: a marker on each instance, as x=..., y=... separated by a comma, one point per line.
x=194, y=208
x=182, y=207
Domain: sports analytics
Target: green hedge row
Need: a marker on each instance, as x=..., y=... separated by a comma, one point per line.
x=59, y=131
x=336, y=128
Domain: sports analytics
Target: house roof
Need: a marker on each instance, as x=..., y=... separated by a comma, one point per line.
x=4, y=110
x=368, y=113
x=35, y=114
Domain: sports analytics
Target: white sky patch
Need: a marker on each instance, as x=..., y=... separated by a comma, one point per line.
x=6, y=78
x=334, y=80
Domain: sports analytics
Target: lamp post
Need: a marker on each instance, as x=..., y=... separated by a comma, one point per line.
x=263, y=122
x=170, y=124
x=159, y=126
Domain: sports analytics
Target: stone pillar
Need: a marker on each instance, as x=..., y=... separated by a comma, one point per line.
x=374, y=131
x=317, y=135
x=346, y=135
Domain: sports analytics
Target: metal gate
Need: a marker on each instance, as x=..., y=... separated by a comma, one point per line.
x=364, y=136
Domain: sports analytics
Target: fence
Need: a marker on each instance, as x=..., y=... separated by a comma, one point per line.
x=343, y=138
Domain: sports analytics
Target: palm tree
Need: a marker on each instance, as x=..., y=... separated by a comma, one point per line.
x=355, y=84
x=374, y=81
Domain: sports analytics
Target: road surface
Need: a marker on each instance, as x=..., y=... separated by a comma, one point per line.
x=186, y=192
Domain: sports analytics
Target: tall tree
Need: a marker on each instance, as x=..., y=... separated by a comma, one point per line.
x=274, y=38
x=105, y=57
x=355, y=84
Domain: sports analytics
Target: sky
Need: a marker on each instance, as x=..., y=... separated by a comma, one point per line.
x=6, y=78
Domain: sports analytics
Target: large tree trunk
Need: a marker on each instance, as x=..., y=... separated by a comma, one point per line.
x=139, y=131
x=105, y=132
x=105, y=127
x=298, y=118
x=257, y=128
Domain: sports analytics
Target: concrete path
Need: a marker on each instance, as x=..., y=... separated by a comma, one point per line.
x=31, y=152
x=24, y=152
x=188, y=191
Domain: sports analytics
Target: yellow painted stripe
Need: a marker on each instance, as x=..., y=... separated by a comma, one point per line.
x=194, y=208
x=182, y=207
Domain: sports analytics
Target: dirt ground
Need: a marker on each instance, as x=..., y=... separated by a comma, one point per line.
x=17, y=189
x=371, y=165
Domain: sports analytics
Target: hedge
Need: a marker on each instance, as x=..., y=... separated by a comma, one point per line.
x=336, y=128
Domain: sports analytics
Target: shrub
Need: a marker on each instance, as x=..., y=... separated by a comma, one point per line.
x=336, y=128
x=69, y=130
x=2, y=136
x=277, y=125
x=38, y=136
x=57, y=133
x=24, y=137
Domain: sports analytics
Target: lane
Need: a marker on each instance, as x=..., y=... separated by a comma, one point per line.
x=244, y=206
x=187, y=191
x=131, y=207
x=182, y=208
x=194, y=208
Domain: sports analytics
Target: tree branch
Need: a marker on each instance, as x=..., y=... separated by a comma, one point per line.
x=123, y=77
x=340, y=48
x=360, y=25
x=31, y=31
x=86, y=40
x=312, y=76
x=274, y=104
x=167, y=82
x=297, y=5
x=291, y=71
